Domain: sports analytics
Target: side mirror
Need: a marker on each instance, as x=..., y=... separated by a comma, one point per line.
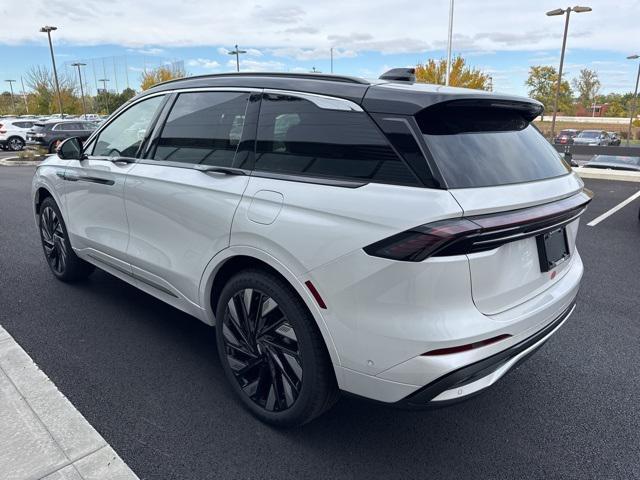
x=70, y=149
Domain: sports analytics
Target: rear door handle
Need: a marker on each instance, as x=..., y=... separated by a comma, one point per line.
x=225, y=170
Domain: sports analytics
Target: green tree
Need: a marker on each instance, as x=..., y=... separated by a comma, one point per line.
x=586, y=85
x=542, y=82
x=461, y=75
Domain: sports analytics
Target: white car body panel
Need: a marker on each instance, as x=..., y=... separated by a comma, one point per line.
x=169, y=230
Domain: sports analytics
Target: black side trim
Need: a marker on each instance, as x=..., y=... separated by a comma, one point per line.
x=464, y=375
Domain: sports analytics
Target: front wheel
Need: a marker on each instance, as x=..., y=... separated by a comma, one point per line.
x=61, y=258
x=271, y=350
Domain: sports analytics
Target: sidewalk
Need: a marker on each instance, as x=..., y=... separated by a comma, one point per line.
x=42, y=435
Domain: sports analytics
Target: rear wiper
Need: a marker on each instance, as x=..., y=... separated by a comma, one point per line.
x=225, y=170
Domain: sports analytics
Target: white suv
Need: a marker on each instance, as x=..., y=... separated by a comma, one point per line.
x=13, y=133
x=407, y=243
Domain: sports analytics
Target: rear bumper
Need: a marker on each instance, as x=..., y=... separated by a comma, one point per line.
x=472, y=379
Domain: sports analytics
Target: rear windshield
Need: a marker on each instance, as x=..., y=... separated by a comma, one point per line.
x=38, y=127
x=488, y=146
x=589, y=135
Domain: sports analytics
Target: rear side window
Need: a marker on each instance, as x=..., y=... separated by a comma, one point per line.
x=203, y=127
x=477, y=146
x=295, y=136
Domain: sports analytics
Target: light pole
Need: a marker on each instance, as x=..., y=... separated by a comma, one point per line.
x=24, y=95
x=84, y=107
x=48, y=30
x=106, y=94
x=635, y=98
x=237, y=53
x=331, y=59
x=449, y=40
x=553, y=13
x=13, y=104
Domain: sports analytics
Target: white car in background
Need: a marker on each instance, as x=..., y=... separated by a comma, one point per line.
x=13, y=133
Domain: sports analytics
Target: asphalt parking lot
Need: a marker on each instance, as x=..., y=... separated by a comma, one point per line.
x=148, y=379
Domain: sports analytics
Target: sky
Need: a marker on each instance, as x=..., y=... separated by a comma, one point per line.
x=118, y=39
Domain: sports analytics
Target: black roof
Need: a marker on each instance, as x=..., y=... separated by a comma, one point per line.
x=375, y=96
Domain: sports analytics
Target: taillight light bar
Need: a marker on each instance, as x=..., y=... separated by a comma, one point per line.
x=463, y=235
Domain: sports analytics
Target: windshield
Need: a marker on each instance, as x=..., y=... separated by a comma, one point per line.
x=488, y=147
x=37, y=127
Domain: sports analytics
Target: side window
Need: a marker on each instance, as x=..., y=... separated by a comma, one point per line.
x=296, y=136
x=203, y=127
x=124, y=135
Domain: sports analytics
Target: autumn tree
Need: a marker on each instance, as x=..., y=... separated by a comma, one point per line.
x=586, y=85
x=542, y=82
x=161, y=74
x=461, y=75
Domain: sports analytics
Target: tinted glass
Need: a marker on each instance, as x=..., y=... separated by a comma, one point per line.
x=480, y=147
x=203, y=127
x=297, y=137
x=589, y=135
x=124, y=135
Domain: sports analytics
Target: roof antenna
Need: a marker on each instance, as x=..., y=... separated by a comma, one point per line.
x=400, y=75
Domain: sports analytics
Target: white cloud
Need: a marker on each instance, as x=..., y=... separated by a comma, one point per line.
x=203, y=63
x=403, y=26
x=248, y=65
x=147, y=51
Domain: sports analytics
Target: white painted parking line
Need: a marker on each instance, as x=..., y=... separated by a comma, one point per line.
x=608, y=213
x=42, y=435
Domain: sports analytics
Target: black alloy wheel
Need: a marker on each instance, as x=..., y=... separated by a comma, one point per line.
x=53, y=240
x=262, y=350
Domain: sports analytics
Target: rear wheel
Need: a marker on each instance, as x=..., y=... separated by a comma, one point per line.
x=15, y=144
x=271, y=350
x=61, y=258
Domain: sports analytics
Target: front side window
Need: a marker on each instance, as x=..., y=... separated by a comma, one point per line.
x=124, y=135
x=203, y=128
x=296, y=136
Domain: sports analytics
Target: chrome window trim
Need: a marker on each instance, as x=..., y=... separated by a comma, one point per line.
x=324, y=102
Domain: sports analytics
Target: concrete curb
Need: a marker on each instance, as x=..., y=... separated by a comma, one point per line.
x=16, y=162
x=42, y=435
x=604, y=174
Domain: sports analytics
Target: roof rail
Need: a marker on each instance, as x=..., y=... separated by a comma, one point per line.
x=400, y=75
x=306, y=76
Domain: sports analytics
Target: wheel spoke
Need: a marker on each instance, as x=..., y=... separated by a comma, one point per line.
x=286, y=370
x=235, y=315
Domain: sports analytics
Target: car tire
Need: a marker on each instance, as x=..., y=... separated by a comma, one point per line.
x=15, y=144
x=271, y=350
x=62, y=260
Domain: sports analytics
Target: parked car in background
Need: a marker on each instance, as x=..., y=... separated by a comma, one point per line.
x=615, y=138
x=334, y=242
x=614, y=162
x=565, y=137
x=50, y=133
x=13, y=133
x=592, y=137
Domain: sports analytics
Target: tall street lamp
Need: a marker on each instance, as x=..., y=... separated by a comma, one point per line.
x=449, y=39
x=635, y=98
x=13, y=105
x=106, y=95
x=48, y=30
x=237, y=53
x=553, y=13
x=84, y=107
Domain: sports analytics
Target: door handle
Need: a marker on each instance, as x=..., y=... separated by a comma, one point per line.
x=122, y=160
x=225, y=170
